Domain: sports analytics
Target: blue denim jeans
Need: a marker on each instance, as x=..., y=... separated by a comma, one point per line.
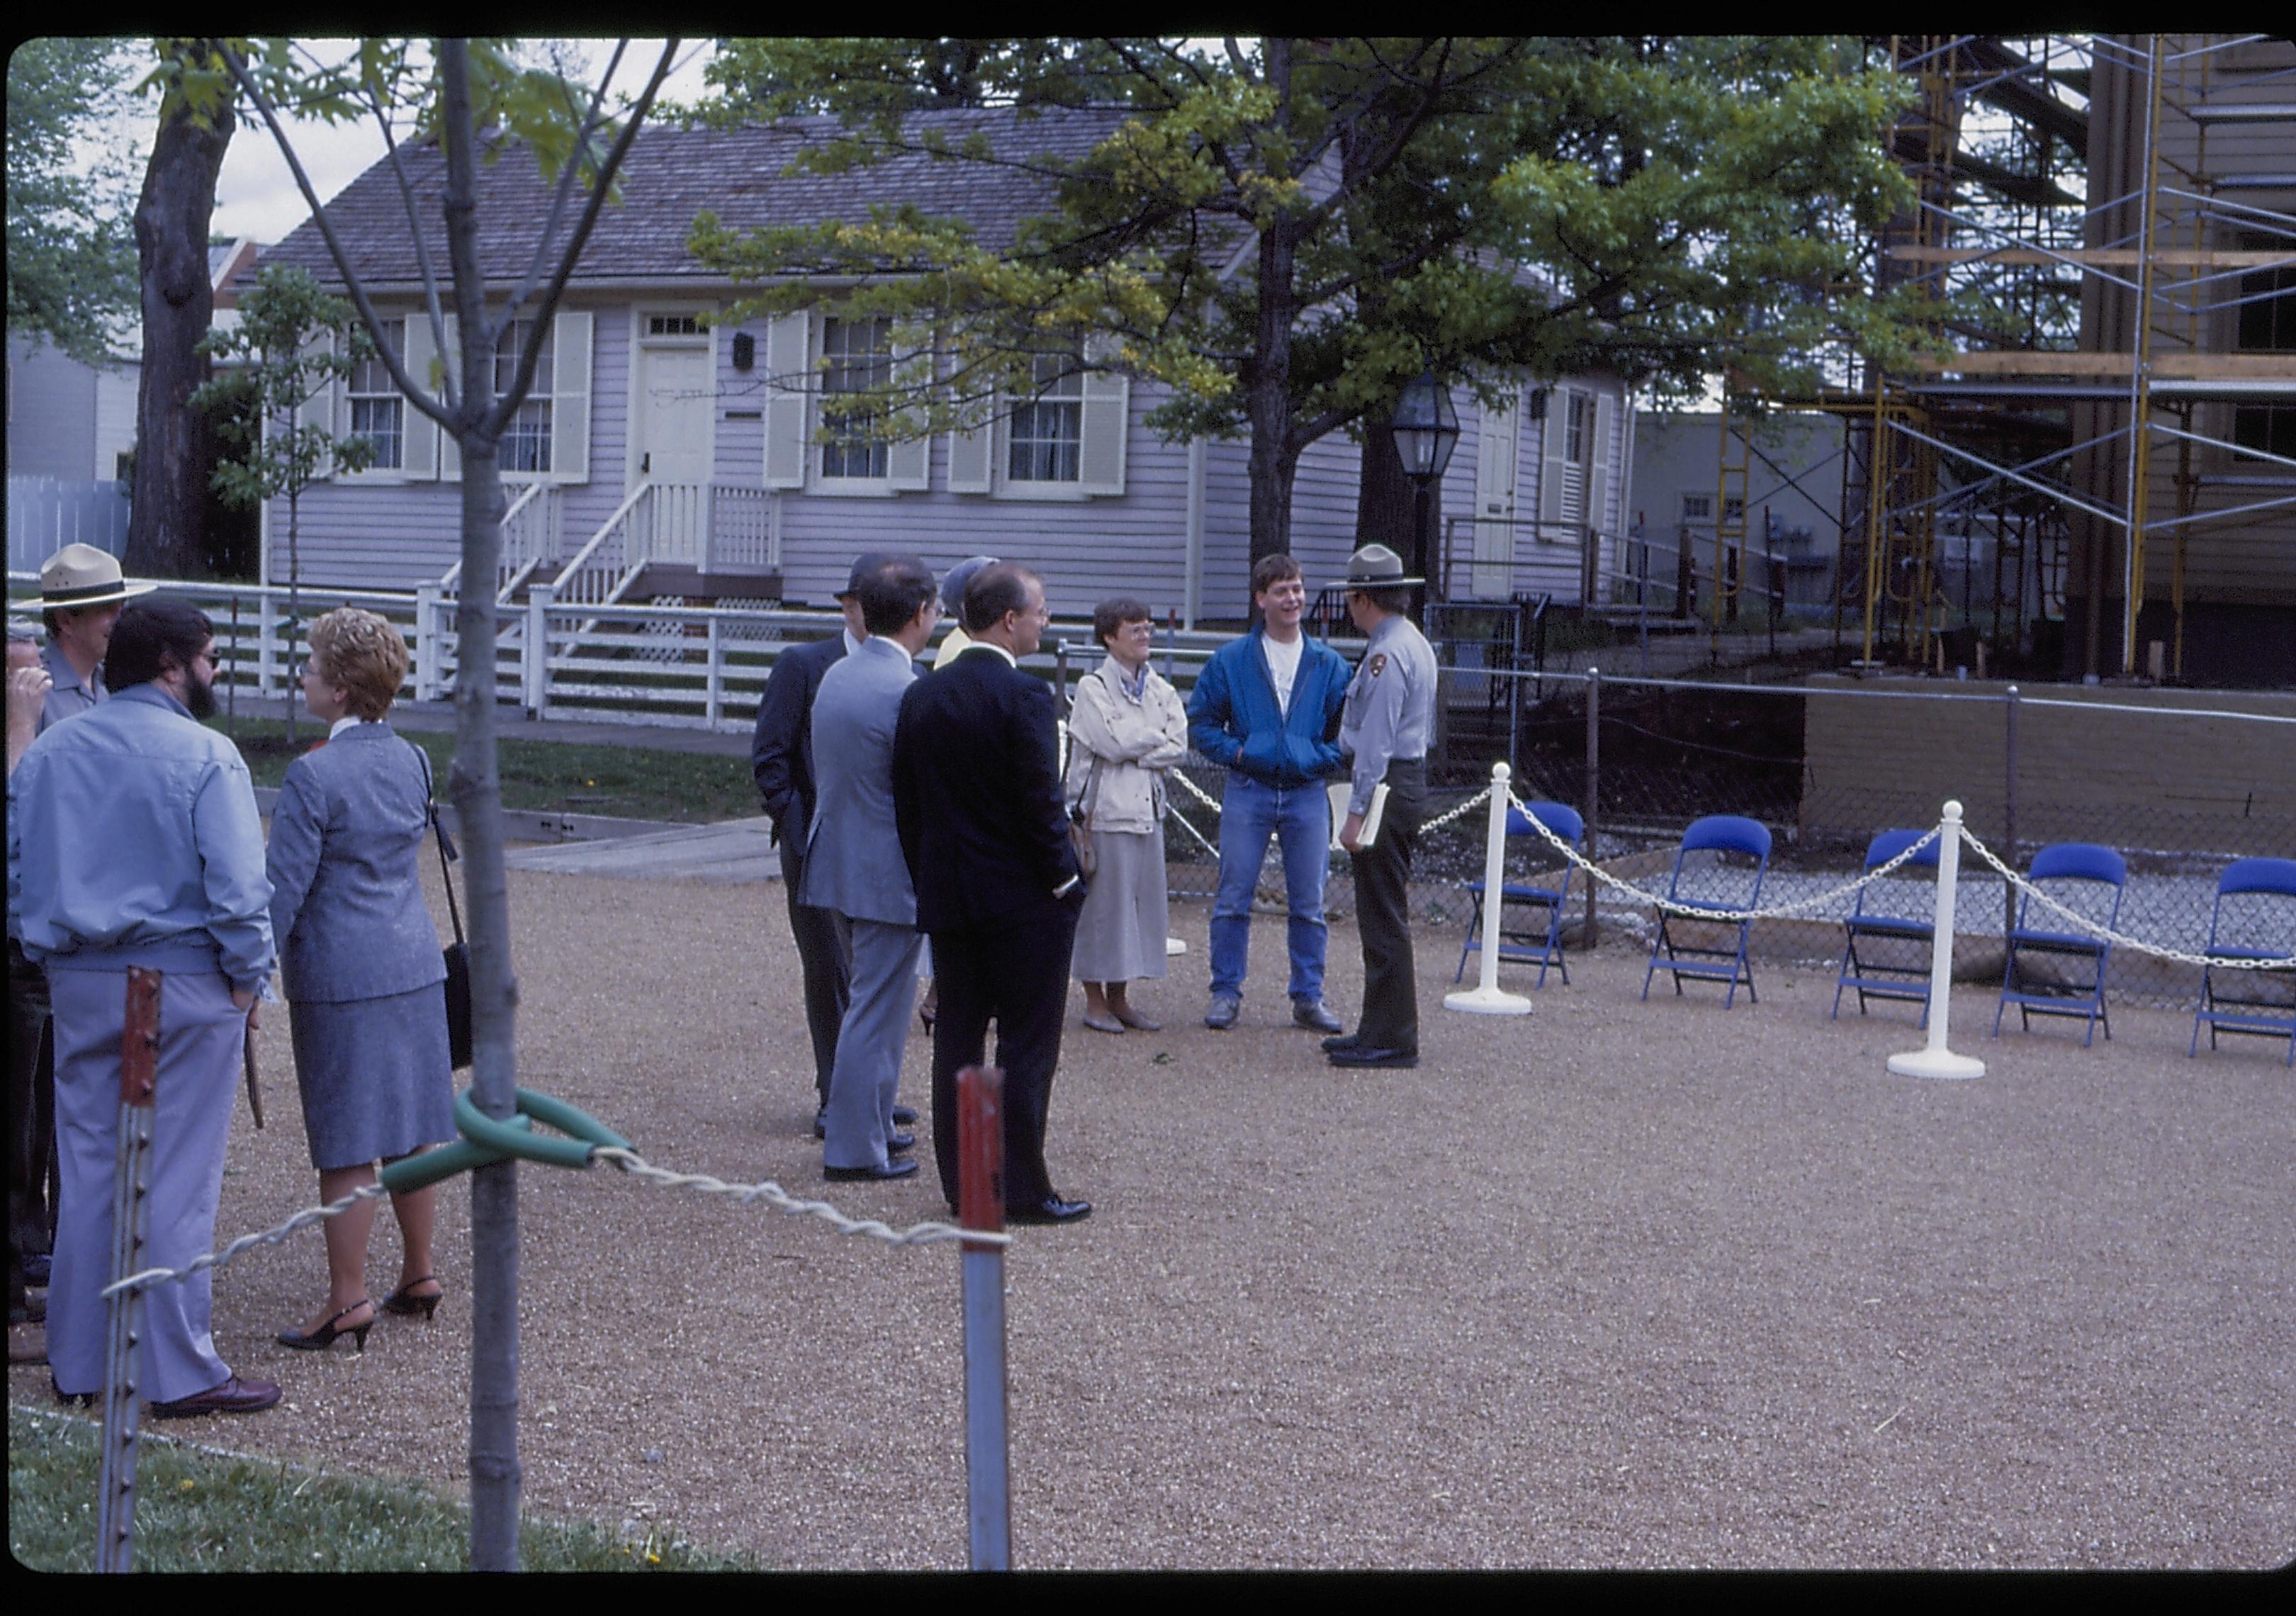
x=1299, y=818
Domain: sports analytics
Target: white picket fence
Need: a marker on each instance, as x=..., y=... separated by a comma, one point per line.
x=621, y=662
x=46, y=513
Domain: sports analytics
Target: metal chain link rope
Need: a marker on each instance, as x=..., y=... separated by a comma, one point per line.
x=2212, y=961
x=1695, y=912
x=1453, y=812
x=781, y=1199
x=303, y=1219
x=1456, y=811
x=920, y=1233
x=1197, y=791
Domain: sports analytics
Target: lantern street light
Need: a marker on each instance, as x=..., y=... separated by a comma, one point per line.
x=1426, y=430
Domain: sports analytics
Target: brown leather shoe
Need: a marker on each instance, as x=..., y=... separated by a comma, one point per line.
x=234, y=1395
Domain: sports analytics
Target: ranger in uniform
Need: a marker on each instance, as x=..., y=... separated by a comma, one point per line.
x=1387, y=722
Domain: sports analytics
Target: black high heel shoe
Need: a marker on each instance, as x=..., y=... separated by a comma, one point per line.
x=399, y=1301
x=326, y=1334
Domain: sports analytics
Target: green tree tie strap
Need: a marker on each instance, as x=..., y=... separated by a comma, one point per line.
x=485, y=1140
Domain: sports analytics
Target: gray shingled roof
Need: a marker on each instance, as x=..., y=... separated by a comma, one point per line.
x=672, y=174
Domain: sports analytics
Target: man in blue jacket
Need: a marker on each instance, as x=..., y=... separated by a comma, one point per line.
x=1266, y=707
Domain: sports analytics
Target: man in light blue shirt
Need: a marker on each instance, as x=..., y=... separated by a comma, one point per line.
x=134, y=839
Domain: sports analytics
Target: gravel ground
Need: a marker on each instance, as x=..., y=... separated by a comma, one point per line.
x=1617, y=1285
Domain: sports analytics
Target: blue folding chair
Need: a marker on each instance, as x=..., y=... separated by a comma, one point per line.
x=1882, y=973
x=2066, y=862
x=1730, y=835
x=2265, y=879
x=1534, y=942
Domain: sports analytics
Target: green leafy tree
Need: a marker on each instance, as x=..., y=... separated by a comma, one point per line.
x=1285, y=232
x=443, y=93
x=72, y=255
x=291, y=345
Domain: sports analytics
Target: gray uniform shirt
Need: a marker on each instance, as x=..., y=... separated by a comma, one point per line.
x=1390, y=715
x=68, y=695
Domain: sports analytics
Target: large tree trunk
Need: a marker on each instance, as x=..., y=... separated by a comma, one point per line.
x=477, y=789
x=171, y=244
x=1385, y=502
x=1267, y=373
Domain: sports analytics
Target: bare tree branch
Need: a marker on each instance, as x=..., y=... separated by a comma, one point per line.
x=415, y=395
x=524, y=377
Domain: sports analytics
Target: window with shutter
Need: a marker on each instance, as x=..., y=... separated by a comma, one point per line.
x=1064, y=440
x=526, y=441
x=377, y=412
x=857, y=357
x=788, y=371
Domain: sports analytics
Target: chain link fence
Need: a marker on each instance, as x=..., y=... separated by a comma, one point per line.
x=2178, y=784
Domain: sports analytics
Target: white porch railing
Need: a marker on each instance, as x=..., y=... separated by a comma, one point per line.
x=600, y=569
x=531, y=532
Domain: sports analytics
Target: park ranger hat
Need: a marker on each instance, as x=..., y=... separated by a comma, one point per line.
x=1376, y=567
x=81, y=575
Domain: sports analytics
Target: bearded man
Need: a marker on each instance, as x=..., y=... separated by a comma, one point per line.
x=134, y=839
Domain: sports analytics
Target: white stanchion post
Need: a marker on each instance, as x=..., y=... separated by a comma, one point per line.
x=1485, y=997
x=1934, y=1060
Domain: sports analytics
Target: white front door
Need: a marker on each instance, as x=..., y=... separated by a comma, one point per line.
x=1495, y=491
x=672, y=443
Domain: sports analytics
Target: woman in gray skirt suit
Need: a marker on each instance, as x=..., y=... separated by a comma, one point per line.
x=1126, y=729
x=360, y=961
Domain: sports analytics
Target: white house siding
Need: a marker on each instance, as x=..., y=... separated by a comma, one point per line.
x=115, y=419
x=376, y=531
x=51, y=412
x=399, y=535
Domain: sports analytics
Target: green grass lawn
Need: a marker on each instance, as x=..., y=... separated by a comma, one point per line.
x=629, y=782
x=204, y=1511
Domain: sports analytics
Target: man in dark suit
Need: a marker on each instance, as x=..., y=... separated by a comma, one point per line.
x=781, y=761
x=977, y=799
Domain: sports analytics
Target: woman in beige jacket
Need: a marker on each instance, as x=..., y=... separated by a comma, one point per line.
x=1128, y=726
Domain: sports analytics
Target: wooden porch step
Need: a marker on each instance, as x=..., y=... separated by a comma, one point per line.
x=701, y=588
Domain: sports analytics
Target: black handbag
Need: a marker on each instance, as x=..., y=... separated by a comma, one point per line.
x=456, y=954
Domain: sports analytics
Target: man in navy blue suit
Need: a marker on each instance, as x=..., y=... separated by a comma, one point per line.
x=977, y=799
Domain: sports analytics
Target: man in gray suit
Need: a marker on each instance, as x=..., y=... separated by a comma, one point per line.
x=849, y=866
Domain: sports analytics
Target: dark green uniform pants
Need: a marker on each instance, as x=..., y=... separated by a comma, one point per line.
x=1390, y=1000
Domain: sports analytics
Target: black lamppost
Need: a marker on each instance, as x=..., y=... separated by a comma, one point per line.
x=1426, y=430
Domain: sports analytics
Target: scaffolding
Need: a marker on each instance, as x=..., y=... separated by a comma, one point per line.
x=2069, y=182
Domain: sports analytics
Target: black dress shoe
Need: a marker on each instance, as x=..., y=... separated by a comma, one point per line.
x=892, y=1170
x=1364, y=1055
x=898, y=1143
x=234, y=1395
x=72, y=1400
x=1346, y=1040
x=1052, y=1208
x=903, y=1117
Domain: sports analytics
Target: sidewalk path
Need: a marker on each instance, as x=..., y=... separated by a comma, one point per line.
x=734, y=850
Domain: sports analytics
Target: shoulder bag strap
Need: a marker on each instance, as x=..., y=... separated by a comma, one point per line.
x=448, y=853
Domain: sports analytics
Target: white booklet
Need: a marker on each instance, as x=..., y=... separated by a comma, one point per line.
x=1340, y=791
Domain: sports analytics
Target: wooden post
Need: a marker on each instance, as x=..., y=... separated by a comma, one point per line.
x=980, y=1205
x=131, y=1221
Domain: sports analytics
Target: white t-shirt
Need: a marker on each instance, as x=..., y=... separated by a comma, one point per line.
x=1283, y=663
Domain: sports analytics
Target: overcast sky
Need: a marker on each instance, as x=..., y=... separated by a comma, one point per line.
x=255, y=194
